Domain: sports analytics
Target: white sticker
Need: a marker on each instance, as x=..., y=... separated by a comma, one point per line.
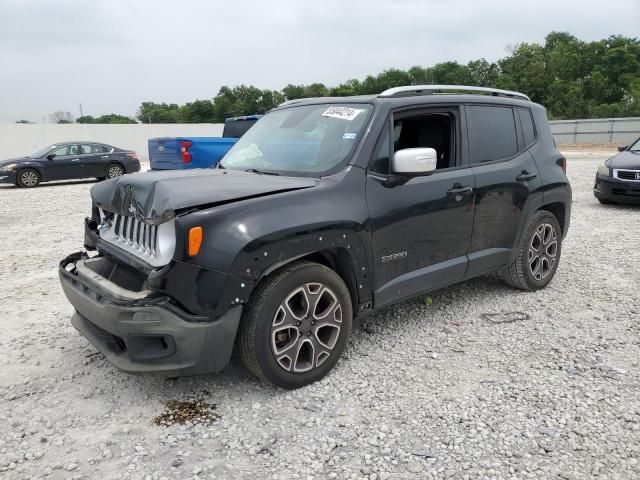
x=344, y=113
x=349, y=136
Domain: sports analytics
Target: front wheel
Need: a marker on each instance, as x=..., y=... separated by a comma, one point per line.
x=539, y=254
x=28, y=178
x=296, y=325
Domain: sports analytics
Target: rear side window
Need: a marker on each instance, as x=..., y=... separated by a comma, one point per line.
x=237, y=129
x=527, y=126
x=492, y=133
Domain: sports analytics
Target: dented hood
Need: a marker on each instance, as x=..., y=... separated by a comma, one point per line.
x=155, y=197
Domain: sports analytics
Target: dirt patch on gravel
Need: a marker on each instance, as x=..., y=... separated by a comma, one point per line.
x=179, y=412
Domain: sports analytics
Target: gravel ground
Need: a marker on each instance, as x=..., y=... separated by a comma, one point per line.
x=486, y=382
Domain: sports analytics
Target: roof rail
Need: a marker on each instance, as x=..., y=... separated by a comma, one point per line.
x=292, y=102
x=431, y=89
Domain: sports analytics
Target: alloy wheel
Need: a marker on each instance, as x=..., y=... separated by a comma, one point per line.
x=543, y=249
x=29, y=178
x=306, y=327
x=114, y=171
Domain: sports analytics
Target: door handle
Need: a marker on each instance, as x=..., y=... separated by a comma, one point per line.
x=526, y=176
x=75, y=160
x=460, y=191
x=104, y=156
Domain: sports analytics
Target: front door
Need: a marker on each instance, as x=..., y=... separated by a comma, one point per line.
x=420, y=226
x=65, y=164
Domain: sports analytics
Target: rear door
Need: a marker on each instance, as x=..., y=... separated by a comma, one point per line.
x=506, y=178
x=66, y=163
x=95, y=158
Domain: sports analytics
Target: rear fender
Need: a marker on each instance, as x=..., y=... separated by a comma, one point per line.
x=538, y=201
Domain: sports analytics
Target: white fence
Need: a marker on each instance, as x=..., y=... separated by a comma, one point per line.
x=21, y=139
x=602, y=130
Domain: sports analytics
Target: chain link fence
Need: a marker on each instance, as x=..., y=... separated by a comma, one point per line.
x=620, y=131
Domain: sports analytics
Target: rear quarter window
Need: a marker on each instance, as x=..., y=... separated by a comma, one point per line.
x=527, y=126
x=492, y=133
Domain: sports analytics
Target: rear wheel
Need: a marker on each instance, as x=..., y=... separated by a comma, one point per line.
x=28, y=178
x=114, y=170
x=539, y=254
x=296, y=326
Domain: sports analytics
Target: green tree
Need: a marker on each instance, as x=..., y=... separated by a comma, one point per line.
x=198, y=111
x=109, y=118
x=293, y=92
x=482, y=73
x=151, y=112
x=244, y=100
x=572, y=78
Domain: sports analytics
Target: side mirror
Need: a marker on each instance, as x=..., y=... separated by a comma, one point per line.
x=622, y=148
x=414, y=161
x=51, y=156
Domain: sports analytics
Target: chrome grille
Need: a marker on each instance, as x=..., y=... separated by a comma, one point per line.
x=628, y=175
x=135, y=233
x=154, y=244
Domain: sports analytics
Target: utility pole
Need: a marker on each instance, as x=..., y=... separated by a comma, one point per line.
x=80, y=105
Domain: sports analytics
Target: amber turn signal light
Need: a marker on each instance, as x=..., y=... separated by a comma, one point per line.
x=195, y=241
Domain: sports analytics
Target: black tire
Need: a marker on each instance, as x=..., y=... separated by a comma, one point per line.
x=262, y=332
x=524, y=272
x=604, y=201
x=114, y=170
x=28, y=178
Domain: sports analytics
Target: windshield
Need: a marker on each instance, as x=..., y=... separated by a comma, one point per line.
x=42, y=151
x=636, y=146
x=308, y=140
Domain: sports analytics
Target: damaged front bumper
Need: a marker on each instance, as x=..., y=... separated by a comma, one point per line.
x=140, y=330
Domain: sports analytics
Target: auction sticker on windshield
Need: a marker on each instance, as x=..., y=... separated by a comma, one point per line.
x=344, y=113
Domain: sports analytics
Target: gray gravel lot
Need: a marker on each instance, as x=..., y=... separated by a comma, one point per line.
x=486, y=382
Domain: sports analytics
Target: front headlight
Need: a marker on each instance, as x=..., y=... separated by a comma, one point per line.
x=8, y=168
x=603, y=170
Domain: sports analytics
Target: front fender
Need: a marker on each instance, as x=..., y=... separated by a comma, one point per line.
x=34, y=165
x=260, y=258
x=252, y=238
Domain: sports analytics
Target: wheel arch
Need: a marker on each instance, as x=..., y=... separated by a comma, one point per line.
x=558, y=202
x=558, y=210
x=114, y=162
x=37, y=168
x=337, y=259
x=31, y=166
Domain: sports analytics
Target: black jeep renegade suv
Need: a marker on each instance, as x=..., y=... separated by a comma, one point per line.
x=326, y=209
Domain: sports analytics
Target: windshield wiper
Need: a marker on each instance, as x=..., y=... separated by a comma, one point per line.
x=261, y=172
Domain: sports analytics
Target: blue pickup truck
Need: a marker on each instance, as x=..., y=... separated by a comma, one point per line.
x=178, y=153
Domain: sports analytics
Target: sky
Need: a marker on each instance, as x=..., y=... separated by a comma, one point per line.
x=111, y=55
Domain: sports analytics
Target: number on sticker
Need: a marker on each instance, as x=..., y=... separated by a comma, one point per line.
x=343, y=113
